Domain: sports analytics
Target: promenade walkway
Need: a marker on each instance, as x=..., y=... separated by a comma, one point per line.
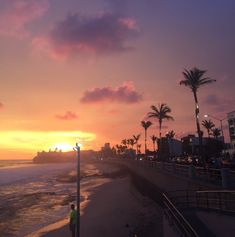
x=166, y=180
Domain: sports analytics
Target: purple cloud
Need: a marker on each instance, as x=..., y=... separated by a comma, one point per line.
x=125, y=93
x=16, y=14
x=220, y=104
x=103, y=34
x=69, y=115
x=211, y=99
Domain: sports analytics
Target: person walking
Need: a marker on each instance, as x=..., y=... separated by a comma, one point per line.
x=72, y=220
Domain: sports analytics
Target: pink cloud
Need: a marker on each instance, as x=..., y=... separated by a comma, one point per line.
x=75, y=35
x=126, y=93
x=16, y=14
x=1, y=105
x=69, y=115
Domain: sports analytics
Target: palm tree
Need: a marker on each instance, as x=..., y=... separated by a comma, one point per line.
x=161, y=112
x=208, y=125
x=194, y=79
x=128, y=143
x=145, y=125
x=136, y=139
x=154, y=139
x=138, y=148
x=216, y=132
x=124, y=142
x=170, y=134
x=131, y=142
x=118, y=149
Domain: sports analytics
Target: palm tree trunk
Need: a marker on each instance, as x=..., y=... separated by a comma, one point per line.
x=145, y=140
x=160, y=137
x=198, y=125
x=160, y=129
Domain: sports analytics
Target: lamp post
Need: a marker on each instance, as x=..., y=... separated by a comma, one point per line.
x=220, y=120
x=77, y=148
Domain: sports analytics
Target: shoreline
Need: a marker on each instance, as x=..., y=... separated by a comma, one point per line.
x=116, y=208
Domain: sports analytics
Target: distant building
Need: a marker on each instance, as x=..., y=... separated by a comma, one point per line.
x=231, y=126
x=106, y=151
x=175, y=147
x=107, y=146
x=210, y=146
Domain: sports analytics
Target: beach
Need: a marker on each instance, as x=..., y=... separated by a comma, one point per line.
x=115, y=208
x=35, y=201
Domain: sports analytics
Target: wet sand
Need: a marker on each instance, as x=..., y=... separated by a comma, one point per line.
x=115, y=208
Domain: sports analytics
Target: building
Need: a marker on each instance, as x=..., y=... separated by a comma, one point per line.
x=231, y=127
x=175, y=147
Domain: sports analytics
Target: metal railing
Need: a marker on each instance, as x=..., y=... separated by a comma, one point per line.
x=209, y=175
x=217, y=200
x=175, y=217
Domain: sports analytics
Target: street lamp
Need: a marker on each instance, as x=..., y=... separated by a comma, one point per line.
x=77, y=148
x=221, y=125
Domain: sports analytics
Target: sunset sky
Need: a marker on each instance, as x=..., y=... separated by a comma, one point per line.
x=89, y=70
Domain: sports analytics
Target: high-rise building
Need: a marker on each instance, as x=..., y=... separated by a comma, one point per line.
x=231, y=127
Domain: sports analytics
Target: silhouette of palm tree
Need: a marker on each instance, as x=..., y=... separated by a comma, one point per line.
x=136, y=139
x=131, y=142
x=154, y=139
x=145, y=125
x=161, y=112
x=216, y=132
x=194, y=79
x=124, y=142
x=170, y=134
x=138, y=148
x=208, y=125
x=128, y=142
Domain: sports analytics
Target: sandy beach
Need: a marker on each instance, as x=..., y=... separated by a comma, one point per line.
x=115, y=208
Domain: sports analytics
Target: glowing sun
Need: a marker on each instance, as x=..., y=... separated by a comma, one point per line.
x=63, y=146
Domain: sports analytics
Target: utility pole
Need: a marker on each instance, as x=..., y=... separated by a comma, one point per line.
x=77, y=148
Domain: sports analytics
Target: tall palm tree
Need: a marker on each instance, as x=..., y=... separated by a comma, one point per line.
x=208, y=125
x=154, y=139
x=145, y=125
x=136, y=139
x=216, y=132
x=194, y=79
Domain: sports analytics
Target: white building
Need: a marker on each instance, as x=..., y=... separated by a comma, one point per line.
x=231, y=127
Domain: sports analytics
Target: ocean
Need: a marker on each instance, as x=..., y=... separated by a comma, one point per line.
x=33, y=196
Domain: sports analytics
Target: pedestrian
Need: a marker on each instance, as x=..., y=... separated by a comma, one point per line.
x=72, y=220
